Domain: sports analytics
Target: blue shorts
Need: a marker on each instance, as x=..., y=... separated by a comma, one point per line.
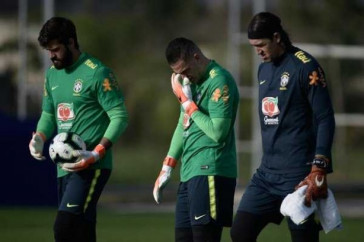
x=79, y=192
x=205, y=199
x=265, y=193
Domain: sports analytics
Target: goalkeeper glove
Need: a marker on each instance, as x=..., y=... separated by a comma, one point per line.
x=316, y=181
x=85, y=158
x=164, y=176
x=36, y=145
x=183, y=93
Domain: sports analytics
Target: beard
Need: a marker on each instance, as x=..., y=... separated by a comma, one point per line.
x=63, y=62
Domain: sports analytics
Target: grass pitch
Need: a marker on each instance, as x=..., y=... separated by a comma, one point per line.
x=35, y=225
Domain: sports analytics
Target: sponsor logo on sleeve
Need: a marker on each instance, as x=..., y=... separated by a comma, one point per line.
x=216, y=95
x=314, y=79
x=317, y=77
x=107, y=85
x=113, y=81
x=225, y=94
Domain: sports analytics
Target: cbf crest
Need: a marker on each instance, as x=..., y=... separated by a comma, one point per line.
x=77, y=87
x=284, y=81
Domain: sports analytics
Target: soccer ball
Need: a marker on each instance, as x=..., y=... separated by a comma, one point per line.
x=62, y=146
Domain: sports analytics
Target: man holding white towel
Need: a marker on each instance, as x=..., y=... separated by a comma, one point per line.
x=297, y=125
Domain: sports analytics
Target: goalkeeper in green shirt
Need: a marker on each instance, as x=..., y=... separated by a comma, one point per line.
x=203, y=141
x=81, y=95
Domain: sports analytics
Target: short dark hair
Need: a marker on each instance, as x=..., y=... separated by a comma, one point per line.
x=264, y=25
x=180, y=49
x=58, y=28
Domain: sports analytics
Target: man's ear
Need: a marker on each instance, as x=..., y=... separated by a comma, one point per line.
x=196, y=56
x=71, y=43
x=277, y=37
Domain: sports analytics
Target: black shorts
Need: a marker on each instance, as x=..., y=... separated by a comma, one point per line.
x=265, y=193
x=79, y=192
x=205, y=199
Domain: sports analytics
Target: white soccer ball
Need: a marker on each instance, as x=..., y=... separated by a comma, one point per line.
x=62, y=146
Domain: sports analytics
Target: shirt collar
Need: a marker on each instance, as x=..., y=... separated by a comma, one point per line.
x=206, y=75
x=78, y=62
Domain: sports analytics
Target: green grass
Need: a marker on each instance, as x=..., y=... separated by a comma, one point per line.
x=35, y=225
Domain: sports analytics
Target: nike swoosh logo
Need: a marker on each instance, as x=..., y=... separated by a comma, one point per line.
x=54, y=87
x=319, y=183
x=199, y=217
x=72, y=205
x=261, y=82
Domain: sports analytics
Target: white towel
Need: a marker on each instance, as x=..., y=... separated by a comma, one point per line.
x=327, y=210
x=328, y=213
x=293, y=206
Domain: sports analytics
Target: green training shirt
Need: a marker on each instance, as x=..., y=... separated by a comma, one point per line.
x=216, y=97
x=79, y=97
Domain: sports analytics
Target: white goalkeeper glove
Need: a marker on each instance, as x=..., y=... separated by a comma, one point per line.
x=36, y=146
x=183, y=93
x=85, y=158
x=164, y=176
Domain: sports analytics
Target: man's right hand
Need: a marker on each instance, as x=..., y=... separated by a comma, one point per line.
x=36, y=145
x=316, y=181
x=183, y=93
x=164, y=176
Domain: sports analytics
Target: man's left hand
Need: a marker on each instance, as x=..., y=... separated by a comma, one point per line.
x=316, y=185
x=85, y=158
x=169, y=164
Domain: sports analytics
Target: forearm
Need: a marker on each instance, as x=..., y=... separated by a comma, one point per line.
x=46, y=124
x=176, y=146
x=217, y=128
x=325, y=134
x=118, y=123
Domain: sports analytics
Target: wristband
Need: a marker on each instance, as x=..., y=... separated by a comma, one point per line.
x=42, y=136
x=100, y=151
x=320, y=162
x=190, y=107
x=170, y=161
